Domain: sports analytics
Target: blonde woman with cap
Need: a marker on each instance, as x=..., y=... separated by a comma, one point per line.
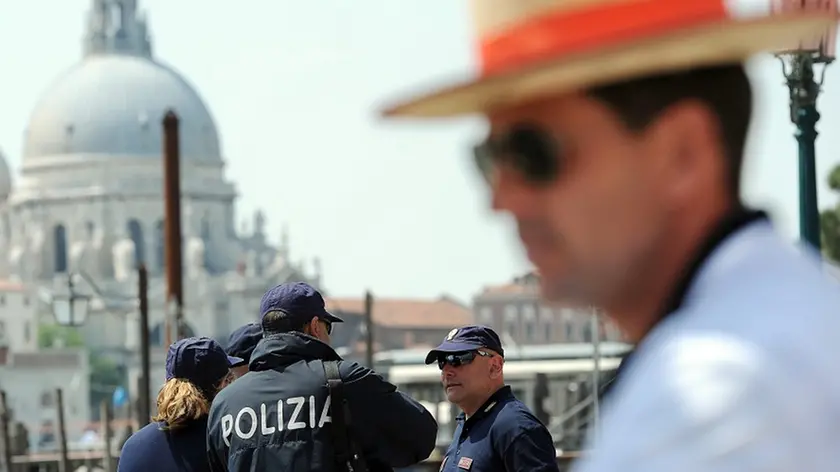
x=176, y=440
x=617, y=135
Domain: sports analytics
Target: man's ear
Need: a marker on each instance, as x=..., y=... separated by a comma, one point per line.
x=495, y=370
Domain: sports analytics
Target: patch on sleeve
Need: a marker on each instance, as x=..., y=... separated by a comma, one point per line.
x=465, y=463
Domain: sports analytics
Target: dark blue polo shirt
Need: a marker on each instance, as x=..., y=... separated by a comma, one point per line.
x=152, y=449
x=503, y=435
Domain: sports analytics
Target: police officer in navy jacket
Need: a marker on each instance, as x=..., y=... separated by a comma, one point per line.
x=196, y=369
x=277, y=416
x=495, y=431
x=241, y=344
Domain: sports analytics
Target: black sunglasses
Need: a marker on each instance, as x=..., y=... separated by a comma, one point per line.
x=526, y=148
x=328, y=324
x=460, y=358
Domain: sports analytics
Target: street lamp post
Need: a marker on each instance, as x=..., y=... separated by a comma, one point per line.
x=70, y=309
x=798, y=67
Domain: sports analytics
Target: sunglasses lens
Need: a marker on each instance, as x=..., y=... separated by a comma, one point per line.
x=533, y=153
x=456, y=360
x=526, y=148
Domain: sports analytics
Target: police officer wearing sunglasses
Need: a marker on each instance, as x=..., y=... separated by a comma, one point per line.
x=278, y=416
x=495, y=432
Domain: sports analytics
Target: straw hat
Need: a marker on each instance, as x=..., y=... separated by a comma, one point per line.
x=531, y=48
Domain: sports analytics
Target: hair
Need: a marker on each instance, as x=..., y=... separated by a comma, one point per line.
x=279, y=321
x=181, y=402
x=724, y=89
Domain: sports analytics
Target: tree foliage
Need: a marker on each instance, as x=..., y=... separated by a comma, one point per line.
x=830, y=221
x=105, y=375
x=53, y=335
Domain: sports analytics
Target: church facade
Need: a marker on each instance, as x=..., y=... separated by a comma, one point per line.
x=89, y=199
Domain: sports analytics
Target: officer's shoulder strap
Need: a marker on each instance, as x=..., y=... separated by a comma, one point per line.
x=339, y=426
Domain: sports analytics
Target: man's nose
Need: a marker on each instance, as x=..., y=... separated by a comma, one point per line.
x=510, y=192
x=447, y=372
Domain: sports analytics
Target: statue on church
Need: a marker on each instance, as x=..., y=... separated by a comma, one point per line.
x=194, y=246
x=281, y=256
x=19, y=252
x=82, y=252
x=123, y=254
x=251, y=262
x=259, y=224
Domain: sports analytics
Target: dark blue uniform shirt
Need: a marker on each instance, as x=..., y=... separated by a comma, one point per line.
x=503, y=435
x=156, y=450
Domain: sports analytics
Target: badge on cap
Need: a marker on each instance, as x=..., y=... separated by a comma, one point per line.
x=451, y=334
x=465, y=463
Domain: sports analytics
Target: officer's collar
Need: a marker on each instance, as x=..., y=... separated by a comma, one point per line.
x=729, y=225
x=287, y=348
x=497, y=397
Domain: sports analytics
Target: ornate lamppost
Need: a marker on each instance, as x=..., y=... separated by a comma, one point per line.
x=800, y=65
x=71, y=308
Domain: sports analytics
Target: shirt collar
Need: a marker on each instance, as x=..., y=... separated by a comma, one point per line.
x=728, y=226
x=504, y=393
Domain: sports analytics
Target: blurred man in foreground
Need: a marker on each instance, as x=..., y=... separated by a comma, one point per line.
x=617, y=134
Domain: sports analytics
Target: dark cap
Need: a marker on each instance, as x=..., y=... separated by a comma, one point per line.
x=200, y=361
x=241, y=343
x=468, y=338
x=299, y=301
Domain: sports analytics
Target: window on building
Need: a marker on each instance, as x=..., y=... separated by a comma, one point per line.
x=160, y=253
x=567, y=321
x=547, y=323
x=485, y=316
x=512, y=321
x=60, y=249
x=529, y=323
x=47, y=399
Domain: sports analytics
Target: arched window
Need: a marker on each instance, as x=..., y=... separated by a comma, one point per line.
x=60, y=249
x=160, y=252
x=135, y=231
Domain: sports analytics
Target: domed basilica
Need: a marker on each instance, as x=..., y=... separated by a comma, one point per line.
x=89, y=199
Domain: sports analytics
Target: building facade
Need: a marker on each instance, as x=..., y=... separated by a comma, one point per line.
x=399, y=323
x=517, y=312
x=89, y=201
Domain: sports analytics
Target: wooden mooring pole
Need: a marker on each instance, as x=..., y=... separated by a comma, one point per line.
x=5, y=439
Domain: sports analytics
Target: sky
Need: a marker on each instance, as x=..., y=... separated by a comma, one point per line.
x=294, y=88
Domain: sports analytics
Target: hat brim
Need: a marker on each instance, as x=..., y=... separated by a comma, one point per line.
x=327, y=316
x=234, y=361
x=449, y=347
x=723, y=42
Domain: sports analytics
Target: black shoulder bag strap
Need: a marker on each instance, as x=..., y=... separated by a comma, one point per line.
x=346, y=454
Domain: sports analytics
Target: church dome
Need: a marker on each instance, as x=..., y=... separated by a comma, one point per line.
x=113, y=102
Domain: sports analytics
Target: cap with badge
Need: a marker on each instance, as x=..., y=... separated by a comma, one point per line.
x=200, y=361
x=241, y=343
x=299, y=301
x=467, y=339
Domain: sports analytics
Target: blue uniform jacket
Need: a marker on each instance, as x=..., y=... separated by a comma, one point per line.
x=153, y=449
x=278, y=415
x=504, y=436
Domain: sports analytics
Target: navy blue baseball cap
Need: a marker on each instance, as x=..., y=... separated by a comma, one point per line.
x=200, y=361
x=297, y=300
x=241, y=343
x=468, y=338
